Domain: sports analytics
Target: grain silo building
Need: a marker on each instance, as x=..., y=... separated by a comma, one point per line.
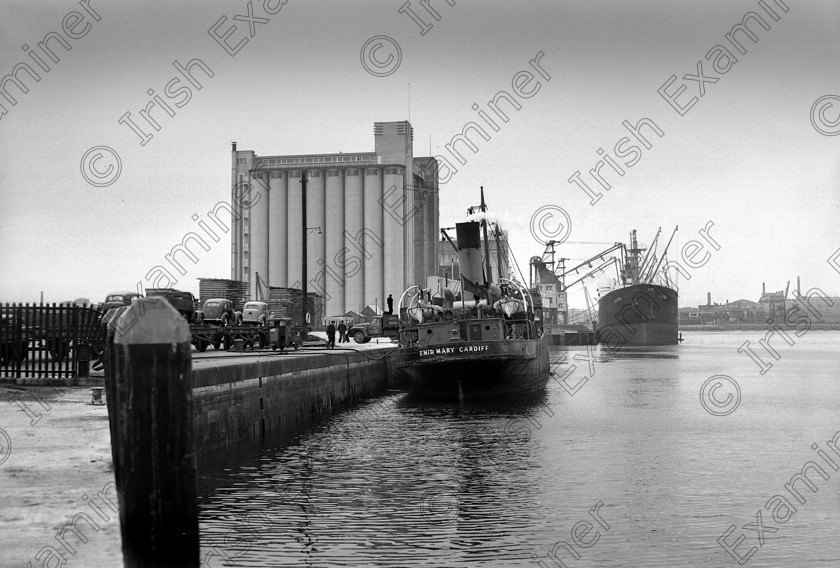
x=371, y=219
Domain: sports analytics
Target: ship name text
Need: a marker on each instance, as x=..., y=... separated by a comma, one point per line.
x=451, y=350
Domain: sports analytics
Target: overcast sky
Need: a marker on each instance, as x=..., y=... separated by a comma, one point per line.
x=745, y=156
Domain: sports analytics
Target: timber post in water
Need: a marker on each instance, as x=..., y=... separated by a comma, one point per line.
x=303, y=268
x=151, y=413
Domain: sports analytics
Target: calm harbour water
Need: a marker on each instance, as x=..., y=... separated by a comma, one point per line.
x=404, y=482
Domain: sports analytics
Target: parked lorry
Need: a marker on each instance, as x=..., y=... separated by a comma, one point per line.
x=386, y=325
x=117, y=299
x=182, y=301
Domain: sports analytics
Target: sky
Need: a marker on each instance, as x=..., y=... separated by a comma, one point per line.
x=756, y=154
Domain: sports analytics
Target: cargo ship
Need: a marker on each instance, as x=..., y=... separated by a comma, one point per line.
x=483, y=341
x=641, y=310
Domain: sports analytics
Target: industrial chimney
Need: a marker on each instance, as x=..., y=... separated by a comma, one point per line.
x=708, y=299
x=762, y=289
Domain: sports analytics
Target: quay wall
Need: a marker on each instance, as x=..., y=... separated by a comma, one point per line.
x=236, y=401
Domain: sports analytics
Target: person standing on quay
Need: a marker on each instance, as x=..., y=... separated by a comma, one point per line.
x=331, y=335
x=342, y=332
x=390, y=304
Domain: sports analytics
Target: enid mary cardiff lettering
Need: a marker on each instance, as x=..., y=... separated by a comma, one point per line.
x=450, y=350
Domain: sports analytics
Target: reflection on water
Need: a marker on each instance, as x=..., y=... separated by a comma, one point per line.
x=402, y=481
x=636, y=352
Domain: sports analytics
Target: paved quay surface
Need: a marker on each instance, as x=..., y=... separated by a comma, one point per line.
x=59, y=460
x=55, y=460
x=377, y=347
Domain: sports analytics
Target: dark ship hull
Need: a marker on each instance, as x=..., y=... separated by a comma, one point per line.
x=476, y=369
x=492, y=346
x=638, y=315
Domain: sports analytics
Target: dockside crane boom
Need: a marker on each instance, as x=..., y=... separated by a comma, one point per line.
x=588, y=262
x=655, y=270
x=595, y=271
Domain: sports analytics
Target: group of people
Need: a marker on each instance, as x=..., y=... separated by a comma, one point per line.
x=342, y=334
x=342, y=327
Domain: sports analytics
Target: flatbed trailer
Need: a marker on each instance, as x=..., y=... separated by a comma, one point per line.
x=275, y=334
x=59, y=330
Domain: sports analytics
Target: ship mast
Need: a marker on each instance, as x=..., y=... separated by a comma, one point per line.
x=498, y=251
x=633, y=259
x=488, y=275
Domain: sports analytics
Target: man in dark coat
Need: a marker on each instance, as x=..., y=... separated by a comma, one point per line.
x=390, y=304
x=342, y=332
x=331, y=335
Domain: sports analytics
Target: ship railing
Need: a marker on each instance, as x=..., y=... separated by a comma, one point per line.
x=519, y=326
x=526, y=295
x=528, y=330
x=410, y=298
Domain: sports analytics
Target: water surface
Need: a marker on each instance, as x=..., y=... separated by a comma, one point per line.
x=400, y=481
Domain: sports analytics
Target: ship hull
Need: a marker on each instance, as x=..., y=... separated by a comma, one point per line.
x=638, y=315
x=476, y=369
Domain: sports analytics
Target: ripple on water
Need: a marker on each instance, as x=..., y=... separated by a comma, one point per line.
x=404, y=482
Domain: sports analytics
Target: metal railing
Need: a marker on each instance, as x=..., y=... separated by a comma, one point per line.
x=48, y=341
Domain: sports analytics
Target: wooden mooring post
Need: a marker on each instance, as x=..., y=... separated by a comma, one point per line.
x=151, y=419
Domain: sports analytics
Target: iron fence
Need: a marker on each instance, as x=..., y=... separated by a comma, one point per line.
x=48, y=341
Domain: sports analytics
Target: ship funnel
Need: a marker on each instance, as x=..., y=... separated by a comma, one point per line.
x=469, y=250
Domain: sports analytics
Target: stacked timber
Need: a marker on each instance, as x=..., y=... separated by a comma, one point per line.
x=282, y=302
x=286, y=303
x=221, y=288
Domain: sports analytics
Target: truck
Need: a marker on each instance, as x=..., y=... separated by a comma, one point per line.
x=182, y=301
x=117, y=299
x=386, y=325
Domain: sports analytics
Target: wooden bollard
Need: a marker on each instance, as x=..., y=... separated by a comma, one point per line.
x=152, y=436
x=111, y=394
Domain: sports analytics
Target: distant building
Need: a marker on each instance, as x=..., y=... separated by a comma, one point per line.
x=772, y=304
x=737, y=312
x=785, y=312
x=371, y=220
x=745, y=305
x=369, y=311
x=554, y=300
